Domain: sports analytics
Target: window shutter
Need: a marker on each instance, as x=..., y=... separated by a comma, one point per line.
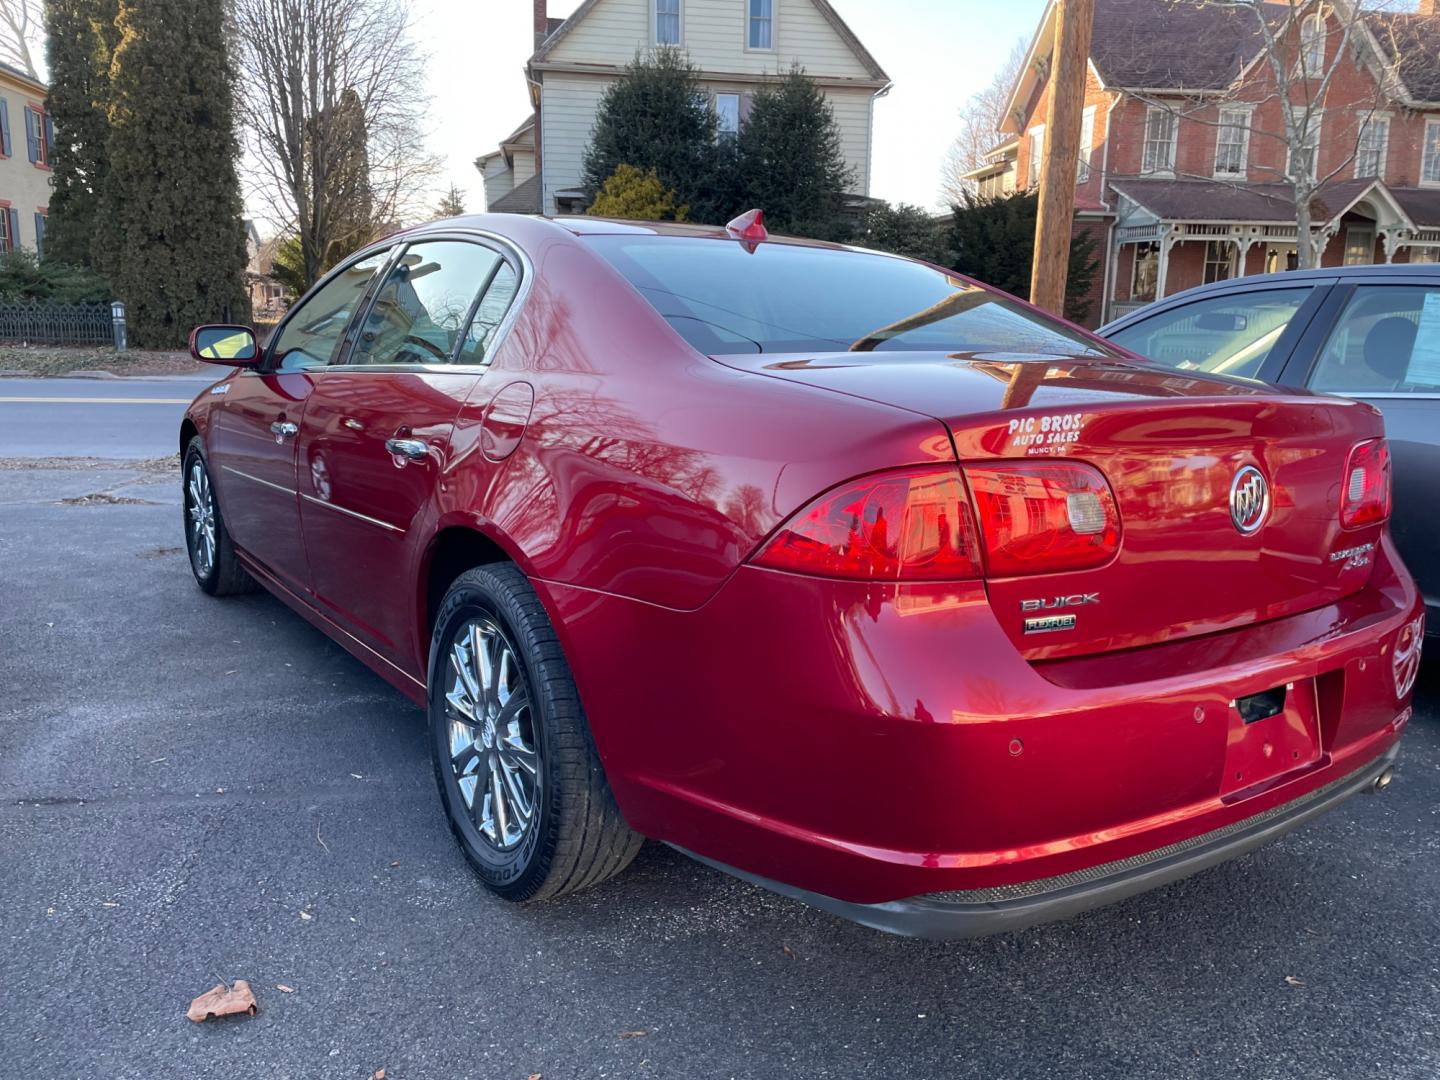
x=49, y=140
x=32, y=136
x=5, y=147
x=14, y=229
x=39, y=234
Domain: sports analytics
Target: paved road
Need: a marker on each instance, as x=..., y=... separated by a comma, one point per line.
x=105, y=418
x=184, y=780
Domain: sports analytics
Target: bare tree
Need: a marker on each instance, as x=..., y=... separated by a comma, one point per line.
x=1298, y=49
x=19, y=25
x=332, y=90
x=981, y=118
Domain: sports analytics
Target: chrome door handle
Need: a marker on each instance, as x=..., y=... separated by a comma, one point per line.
x=283, y=428
x=414, y=449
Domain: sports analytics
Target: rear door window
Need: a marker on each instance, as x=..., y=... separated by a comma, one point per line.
x=1386, y=341
x=1224, y=335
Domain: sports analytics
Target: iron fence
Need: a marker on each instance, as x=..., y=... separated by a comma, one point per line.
x=46, y=322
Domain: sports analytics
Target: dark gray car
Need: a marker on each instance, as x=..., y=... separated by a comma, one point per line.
x=1365, y=332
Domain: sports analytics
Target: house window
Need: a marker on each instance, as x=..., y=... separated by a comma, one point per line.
x=667, y=22
x=727, y=109
x=762, y=24
x=1312, y=46
x=1219, y=260
x=38, y=136
x=1232, y=142
x=1146, y=273
x=1159, y=156
x=1359, y=245
x=1087, y=145
x=7, y=222
x=1371, y=147
x=1303, y=165
x=1430, y=166
x=1037, y=151
x=1425, y=255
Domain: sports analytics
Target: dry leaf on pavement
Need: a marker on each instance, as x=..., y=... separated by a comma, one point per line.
x=378, y=1074
x=223, y=1001
x=1291, y=980
x=284, y=989
x=633, y=1034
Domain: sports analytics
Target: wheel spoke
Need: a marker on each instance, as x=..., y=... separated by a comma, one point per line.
x=498, y=802
x=462, y=759
x=515, y=794
x=461, y=663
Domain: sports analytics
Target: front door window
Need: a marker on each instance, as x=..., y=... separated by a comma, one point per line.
x=312, y=337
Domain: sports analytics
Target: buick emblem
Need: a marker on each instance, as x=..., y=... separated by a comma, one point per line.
x=1249, y=500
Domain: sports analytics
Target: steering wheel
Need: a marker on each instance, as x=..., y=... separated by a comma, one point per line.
x=430, y=347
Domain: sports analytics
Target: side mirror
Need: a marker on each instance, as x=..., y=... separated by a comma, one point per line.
x=221, y=344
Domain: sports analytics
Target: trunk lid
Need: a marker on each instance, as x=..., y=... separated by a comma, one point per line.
x=1171, y=445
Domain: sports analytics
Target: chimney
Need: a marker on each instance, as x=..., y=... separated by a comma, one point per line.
x=542, y=24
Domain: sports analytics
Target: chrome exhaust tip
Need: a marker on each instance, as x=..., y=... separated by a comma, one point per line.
x=1382, y=781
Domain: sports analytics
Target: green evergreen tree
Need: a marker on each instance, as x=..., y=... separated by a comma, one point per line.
x=906, y=230
x=452, y=203
x=636, y=196
x=994, y=242
x=79, y=36
x=658, y=118
x=172, y=193
x=790, y=161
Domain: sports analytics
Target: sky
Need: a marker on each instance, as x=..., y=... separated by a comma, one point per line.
x=937, y=52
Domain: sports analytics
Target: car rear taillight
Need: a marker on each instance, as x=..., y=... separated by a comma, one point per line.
x=1365, y=487
x=911, y=525
x=1043, y=517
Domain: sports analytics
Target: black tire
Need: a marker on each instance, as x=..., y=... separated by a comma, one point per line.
x=223, y=576
x=575, y=836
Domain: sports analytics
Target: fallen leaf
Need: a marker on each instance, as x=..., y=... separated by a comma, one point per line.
x=788, y=951
x=535, y=1076
x=395, y=864
x=378, y=1074
x=284, y=989
x=356, y=776
x=306, y=916
x=1291, y=980
x=108, y=903
x=633, y=1034
x=221, y=1001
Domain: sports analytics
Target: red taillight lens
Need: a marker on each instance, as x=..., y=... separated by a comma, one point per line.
x=913, y=525
x=1040, y=517
x=1365, y=488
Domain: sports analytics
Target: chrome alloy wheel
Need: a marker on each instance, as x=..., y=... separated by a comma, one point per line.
x=200, y=519
x=493, y=750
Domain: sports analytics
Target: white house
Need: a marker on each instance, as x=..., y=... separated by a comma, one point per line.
x=738, y=45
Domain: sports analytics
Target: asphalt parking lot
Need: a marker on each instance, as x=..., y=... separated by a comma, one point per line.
x=194, y=790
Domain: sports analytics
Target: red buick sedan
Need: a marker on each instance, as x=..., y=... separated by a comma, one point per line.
x=838, y=571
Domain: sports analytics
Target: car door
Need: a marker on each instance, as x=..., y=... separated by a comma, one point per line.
x=252, y=437
x=1383, y=347
x=1248, y=331
x=375, y=439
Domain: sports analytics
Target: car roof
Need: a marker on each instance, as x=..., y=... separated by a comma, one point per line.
x=584, y=225
x=1380, y=271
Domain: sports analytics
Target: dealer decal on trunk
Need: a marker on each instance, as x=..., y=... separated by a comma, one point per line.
x=1049, y=434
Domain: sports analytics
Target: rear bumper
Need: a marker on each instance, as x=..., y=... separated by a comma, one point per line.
x=883, y=750
x=978, y=912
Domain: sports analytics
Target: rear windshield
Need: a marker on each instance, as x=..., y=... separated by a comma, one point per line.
x=784, y=298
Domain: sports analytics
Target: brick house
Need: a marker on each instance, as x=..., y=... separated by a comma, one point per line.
x=1183, y=177
x=738, y=47
x=26, y=141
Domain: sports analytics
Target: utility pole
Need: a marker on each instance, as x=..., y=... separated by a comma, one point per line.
x=1071, y=55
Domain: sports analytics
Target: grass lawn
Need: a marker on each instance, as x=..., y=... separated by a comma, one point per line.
x=61, y=360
